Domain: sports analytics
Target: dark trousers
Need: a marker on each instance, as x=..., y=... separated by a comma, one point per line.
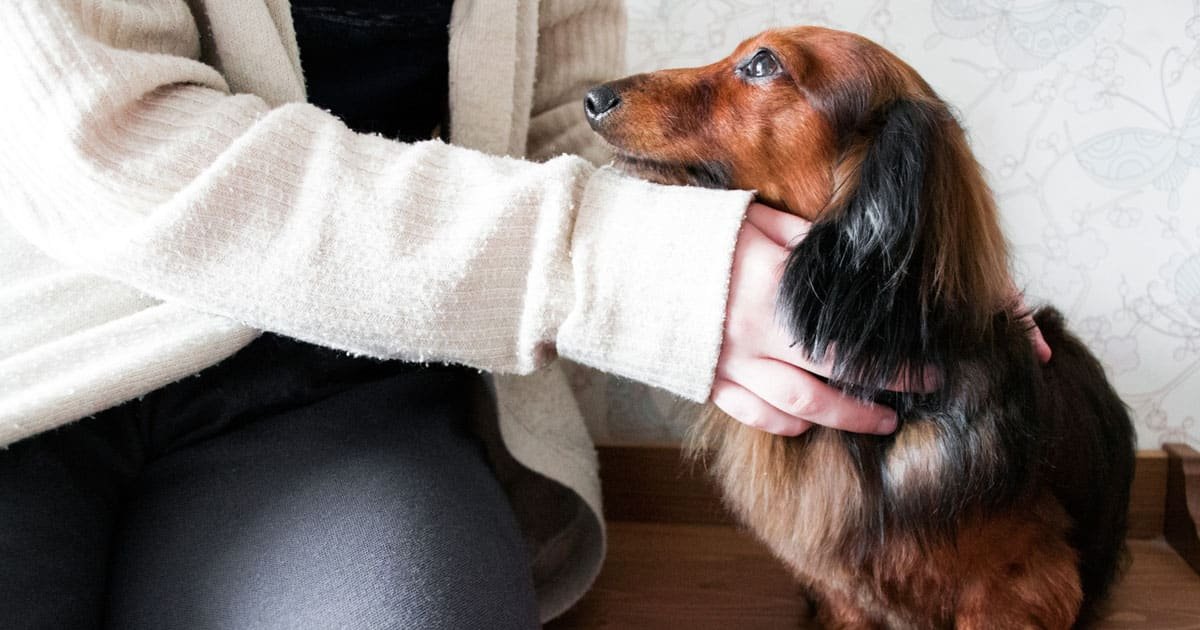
x=287, y=487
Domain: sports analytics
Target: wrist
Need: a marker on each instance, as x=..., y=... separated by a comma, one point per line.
x=651, y=268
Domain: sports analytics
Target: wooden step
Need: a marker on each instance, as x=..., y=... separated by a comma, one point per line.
x=687, y=577
x=713, y=577
x=676, y=561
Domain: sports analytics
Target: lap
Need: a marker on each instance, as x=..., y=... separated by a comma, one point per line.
x=371, y=506
x=60, y=494
x=301, y=521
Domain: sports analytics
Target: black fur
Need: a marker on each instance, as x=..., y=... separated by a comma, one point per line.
x=1089, y=457
x=710, y=174
x=1006, y=425
x=851, y=284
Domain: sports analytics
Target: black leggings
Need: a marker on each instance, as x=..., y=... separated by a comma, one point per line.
x=287, y=487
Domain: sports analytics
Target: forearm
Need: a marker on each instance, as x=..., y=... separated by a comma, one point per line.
x=138, y=166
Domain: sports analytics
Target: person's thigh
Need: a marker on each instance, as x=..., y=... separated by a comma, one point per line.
x=60, y=492
x=371, y=508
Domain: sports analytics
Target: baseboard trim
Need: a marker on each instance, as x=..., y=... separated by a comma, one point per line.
x=655, y=484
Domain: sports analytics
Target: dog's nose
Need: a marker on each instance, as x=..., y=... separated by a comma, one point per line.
x=599, y=101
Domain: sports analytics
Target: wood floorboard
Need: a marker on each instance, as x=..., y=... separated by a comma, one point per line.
x=1159, y=592
x=677, y=562
x=701, y=577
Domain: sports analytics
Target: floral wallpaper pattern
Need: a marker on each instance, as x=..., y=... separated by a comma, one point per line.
x=1086, y=115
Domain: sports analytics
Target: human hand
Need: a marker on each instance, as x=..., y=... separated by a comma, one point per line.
x=1040, y=347
x=763, y=380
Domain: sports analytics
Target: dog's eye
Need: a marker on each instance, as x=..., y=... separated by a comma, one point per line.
x=762, y=64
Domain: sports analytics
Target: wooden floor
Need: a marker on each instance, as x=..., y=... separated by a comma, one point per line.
x=686, y=577
x=699, y=577
x=677, y=561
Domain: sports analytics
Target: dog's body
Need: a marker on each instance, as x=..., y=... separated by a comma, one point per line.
x=1000, y=502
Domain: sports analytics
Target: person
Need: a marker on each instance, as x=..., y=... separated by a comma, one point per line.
x=181, y=176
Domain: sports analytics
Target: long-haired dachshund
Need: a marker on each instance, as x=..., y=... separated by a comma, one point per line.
x=1001, y=500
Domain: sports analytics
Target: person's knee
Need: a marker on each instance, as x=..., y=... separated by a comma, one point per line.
x=461, y=560
x=400, y=526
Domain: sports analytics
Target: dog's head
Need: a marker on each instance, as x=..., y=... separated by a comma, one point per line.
x=906, y=262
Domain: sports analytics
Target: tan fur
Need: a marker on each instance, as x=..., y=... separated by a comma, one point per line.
x=798, y=495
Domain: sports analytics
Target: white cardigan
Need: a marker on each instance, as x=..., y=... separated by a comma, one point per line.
x=165, y=194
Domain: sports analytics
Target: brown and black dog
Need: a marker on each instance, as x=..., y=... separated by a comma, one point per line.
x=1001, y=500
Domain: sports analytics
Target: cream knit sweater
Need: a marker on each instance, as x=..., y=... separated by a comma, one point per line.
x=165, y=194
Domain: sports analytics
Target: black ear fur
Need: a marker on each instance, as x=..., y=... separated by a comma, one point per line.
x=853, y=286
x=858, y=287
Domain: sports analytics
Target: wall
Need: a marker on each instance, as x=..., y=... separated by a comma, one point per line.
x=1086, y=116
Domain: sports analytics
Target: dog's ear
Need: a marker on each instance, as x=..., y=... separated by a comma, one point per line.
x=907, y=259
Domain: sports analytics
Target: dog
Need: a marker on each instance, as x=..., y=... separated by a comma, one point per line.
x=1001, y=499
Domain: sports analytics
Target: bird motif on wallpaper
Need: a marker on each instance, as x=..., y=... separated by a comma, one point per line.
x=1133, y=157
x=1025, y=35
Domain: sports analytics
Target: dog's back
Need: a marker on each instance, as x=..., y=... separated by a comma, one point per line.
x=1089, y=463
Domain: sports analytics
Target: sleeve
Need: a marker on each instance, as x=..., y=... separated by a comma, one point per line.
x=127, y=157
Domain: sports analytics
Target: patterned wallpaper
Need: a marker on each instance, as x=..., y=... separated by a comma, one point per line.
x=1086, y=115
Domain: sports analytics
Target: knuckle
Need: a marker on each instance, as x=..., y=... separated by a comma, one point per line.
x=753, y=418
x=739, y=407
x=750, y=415
x=802, y=403
x=796, y=428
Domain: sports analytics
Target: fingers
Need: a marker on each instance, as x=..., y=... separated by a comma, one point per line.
x=763, y=379
x=1039, y=343
x=783, y=349
x=742, y=405
x=785, y=395
x=783, y=228
x=754, y=326
x=1040, y=347
x=781, y=346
